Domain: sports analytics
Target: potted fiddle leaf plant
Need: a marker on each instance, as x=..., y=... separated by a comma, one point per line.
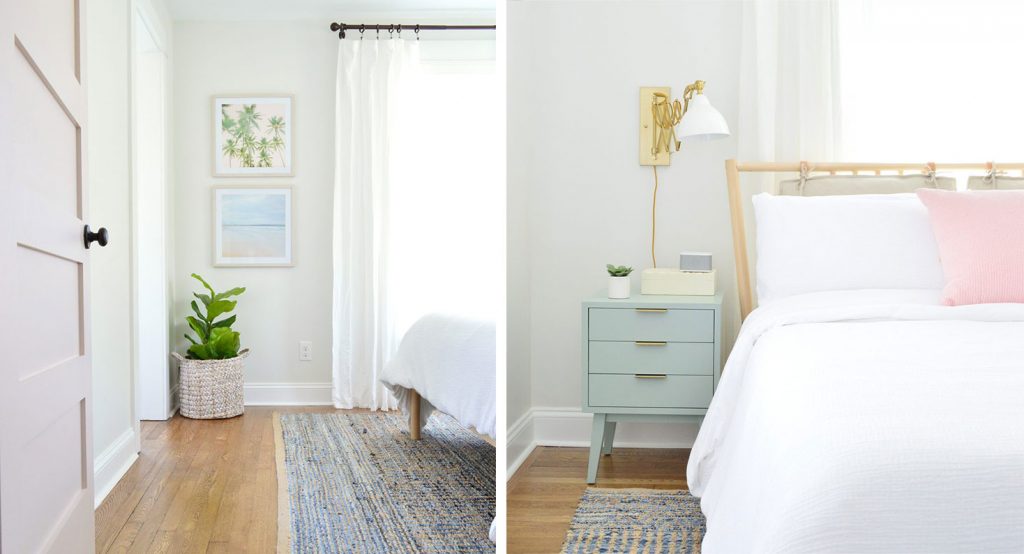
x=618, y=281
x=212, y=371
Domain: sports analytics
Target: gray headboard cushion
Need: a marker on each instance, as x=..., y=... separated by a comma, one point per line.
x=998, y=182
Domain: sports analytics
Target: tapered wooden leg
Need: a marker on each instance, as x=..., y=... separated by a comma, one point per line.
x=596, y=442
x=414, y=415
x=609, y=437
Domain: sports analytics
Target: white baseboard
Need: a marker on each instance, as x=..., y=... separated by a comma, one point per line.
x=111, y=465
x=571, y=427
x=288, y=394
x=520, y=442
x=173, y=400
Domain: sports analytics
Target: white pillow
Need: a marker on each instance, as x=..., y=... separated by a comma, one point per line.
x=822, y=243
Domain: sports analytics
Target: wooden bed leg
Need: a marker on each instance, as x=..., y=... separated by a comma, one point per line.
x=414, y=415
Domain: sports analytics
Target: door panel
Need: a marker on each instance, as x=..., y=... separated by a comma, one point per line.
x=56, y=141
x=59, y=296
x=46, y=474
x=55, y=23
x=59, y=447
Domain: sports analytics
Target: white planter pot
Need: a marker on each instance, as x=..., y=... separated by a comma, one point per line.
x=618, y=287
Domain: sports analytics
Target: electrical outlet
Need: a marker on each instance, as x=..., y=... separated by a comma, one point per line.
x=305, y=350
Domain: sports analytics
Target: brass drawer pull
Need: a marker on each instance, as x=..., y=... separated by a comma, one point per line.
x=650, y=343
x=652, y=310
x=651, y=376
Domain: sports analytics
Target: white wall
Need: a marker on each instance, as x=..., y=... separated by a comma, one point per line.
x=109, y=180
x=116, y=439
x=108, y=73
x=518, y=390
x=152, y=201
x=573, y=141
x=281, y=305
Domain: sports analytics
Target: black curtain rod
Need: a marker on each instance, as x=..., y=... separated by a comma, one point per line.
x=340, y=28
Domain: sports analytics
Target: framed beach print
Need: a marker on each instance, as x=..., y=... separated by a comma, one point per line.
x=252, y=226
x=252, y=136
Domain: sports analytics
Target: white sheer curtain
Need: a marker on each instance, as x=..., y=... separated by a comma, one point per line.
x=370, y=72
x=789, y=81
x=418, y=199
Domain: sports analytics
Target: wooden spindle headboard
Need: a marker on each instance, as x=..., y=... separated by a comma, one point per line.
x=733, y=169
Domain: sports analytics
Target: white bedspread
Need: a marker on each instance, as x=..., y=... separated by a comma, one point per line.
x=867, y=421
x=450, y=361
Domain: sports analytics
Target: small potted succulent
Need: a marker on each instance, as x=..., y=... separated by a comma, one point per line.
x=211, y=373
x=618, y=281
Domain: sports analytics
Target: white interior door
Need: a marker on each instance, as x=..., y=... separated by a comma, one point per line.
x=46, y=474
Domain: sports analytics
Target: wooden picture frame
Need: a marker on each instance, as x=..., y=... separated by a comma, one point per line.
x=253, y=226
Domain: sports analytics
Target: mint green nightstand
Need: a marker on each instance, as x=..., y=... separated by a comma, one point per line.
x=648, y=358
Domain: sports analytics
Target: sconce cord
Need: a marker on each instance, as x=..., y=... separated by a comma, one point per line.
x=654, y=215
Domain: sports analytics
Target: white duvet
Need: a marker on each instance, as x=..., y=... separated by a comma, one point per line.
x=450, y=361
x=867, y=421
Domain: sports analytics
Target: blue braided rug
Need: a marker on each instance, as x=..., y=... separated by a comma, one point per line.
x=636, y=520
x=358, y=483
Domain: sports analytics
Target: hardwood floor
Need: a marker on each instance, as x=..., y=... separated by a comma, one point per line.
x=544, y=492
x=198, y=486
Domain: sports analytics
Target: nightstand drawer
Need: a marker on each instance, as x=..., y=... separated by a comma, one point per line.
x=669, y=391
x=672, y=358
x=652, y=324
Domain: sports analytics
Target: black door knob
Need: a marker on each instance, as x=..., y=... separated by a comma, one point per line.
x=100, y=236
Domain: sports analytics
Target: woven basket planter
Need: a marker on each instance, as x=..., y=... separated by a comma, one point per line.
x=211, y=389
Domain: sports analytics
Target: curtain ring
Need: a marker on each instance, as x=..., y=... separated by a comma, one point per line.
x=362, y=29
x=399, y=30
x=417, y=31
x=990, y=176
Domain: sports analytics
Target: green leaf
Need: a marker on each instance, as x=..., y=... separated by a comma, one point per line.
x=201, y=352
x=233, y=292
x=199, y=327
x=224, y=343
x=223, y=323
x=618, y=270
x=205, y=284
x=216, y=340
x=218, y=307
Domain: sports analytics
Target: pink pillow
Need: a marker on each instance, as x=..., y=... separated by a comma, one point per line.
x=981, y=244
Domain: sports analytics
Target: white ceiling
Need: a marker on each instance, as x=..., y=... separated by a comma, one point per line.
x=333, y=10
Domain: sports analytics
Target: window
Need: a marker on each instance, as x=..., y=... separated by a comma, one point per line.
x=931, y=81
x=448, y=192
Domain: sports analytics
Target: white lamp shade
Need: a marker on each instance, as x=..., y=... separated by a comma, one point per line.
x=702, y=121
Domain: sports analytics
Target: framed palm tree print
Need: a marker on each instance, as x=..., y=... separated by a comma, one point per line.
x=252, y=136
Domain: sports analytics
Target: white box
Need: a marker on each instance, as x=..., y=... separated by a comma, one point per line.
x=676, y=282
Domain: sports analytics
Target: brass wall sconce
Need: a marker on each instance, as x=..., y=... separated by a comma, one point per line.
x=659, y=115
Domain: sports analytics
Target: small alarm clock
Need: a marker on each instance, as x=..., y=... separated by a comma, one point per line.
x=695, y=261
